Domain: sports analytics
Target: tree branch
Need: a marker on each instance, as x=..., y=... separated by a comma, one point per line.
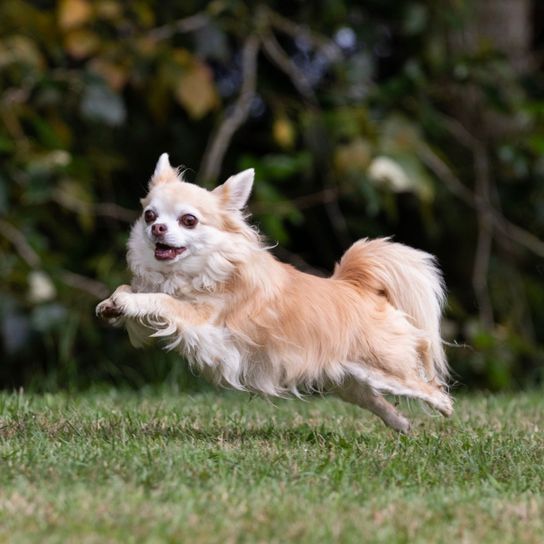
x=19, y=243
x=285, y=25
x=482, y=256
x=103, y=209
x=114, y=211
x=300, y=203
x=187, y=24
x=515, y=233
x=286, y=65
x=93, y=287
x=233, y=120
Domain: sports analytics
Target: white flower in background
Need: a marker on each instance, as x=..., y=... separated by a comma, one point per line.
x=40, y=287
x=386, y=170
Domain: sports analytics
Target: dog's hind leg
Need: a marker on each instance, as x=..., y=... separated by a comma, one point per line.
x=364, y=396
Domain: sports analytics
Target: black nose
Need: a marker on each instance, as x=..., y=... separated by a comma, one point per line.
x=159, y=229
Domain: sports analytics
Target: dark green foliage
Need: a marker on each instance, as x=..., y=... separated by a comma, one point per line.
x=378, y=130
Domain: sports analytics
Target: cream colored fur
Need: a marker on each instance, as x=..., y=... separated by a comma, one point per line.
x=250, y=322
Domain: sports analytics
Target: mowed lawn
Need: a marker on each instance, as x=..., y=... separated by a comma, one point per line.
x=223, y=467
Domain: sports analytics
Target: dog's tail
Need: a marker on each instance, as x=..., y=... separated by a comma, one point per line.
x=411, y=281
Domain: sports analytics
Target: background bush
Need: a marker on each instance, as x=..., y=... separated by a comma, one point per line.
x=403, y=117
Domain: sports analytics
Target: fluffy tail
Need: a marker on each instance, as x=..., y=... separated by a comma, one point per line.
x=411, y=281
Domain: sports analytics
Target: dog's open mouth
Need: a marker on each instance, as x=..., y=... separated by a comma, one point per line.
x=164, y=252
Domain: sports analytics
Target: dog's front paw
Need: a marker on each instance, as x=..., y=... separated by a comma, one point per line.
x=112, y=308
x=108, y=310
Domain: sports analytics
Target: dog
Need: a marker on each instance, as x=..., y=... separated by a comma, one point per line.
x=203, y=279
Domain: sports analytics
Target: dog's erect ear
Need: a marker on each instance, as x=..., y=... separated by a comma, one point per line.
x=163, y=165
x=163, y=173
x=234, y=193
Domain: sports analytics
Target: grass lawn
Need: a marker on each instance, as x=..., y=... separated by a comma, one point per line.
x=222, y=467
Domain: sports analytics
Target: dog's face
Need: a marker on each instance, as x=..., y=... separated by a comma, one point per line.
x=182, y=224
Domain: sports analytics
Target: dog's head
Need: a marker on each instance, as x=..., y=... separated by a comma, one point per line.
x=183, y=226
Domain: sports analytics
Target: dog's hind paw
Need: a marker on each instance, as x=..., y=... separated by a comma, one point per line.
x=403, y=425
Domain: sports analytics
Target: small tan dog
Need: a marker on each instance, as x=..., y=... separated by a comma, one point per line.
x=203, y=279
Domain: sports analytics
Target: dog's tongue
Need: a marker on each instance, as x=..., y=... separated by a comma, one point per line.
x=166, y=253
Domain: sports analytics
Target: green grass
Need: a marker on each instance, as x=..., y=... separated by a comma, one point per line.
x=221, y=467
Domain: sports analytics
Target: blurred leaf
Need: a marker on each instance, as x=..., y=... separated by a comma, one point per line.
x=81, y=43
x=20, y=50
x=195, y=90
x=47, y=133
x=75, y=197
x=146, y=46
x=144, y=12
x=73, y=13
x=273, y=226
x=40, y=287
x=348, y=123
x=110, y=10
x=402, y=173
x=397, y=135
x=353, y=157
x=114, y=74
x=278, y=167
x=284, y=132
x=6, y=144
x=416, y=18
x=536, y=141
x=388, y=171
x=49, y=161
x=498, y=371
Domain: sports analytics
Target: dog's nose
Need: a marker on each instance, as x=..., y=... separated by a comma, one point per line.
x=159, y=229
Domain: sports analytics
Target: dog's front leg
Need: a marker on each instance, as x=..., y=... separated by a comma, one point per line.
x=190, y=327
x=155, y=309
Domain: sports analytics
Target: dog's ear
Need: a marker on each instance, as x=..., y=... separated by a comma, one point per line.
x=164, y=173
x=234, y=193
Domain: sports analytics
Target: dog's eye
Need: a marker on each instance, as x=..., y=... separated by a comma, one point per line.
x=150, y=216
x=188, y=220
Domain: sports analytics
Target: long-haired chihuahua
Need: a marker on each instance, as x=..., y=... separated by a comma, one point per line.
x=203, y=279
